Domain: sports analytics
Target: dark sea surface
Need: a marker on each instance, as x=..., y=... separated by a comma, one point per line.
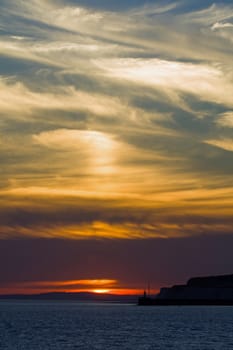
x=69, y=325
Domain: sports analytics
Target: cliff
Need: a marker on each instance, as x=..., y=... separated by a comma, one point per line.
x=225, y=281
x=211, y=290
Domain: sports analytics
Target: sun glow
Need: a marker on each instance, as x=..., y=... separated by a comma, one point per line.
x=101, y=291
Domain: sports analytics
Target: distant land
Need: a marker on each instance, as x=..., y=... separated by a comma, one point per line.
x=211, y=290
x=79, y=296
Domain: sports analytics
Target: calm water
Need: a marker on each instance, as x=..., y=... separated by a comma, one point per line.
x=67, y=325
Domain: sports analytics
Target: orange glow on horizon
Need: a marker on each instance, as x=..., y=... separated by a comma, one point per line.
x=27, y=291
x=97, y=286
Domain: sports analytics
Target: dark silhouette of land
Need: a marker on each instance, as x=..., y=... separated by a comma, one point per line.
x=211, y=290
x=80, y=297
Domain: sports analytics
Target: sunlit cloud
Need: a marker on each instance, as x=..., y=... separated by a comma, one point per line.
x=226, y=144
x=77, y=215
x=206, y=82
x=115, y=133
x=17, y=98
x=75, y=139
x=94, y=282
x=225, y=120
x=97, y=149
x=218, y=25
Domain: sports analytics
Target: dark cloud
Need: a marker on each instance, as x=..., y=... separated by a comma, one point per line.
x=11, y=66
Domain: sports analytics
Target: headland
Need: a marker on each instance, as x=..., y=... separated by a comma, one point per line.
x=211, y=290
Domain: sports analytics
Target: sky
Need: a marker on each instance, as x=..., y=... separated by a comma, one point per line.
x=116, y=143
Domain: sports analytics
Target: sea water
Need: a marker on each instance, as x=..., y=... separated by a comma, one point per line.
x=69, y=325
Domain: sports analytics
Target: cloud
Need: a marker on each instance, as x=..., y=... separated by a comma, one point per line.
x=208, y=15
x=226, y=144
x=218, y=25
x=75, y=139
x=76, y=214
x=225, y=120
x=111, y=119
x=15, y=97
x=206, y=82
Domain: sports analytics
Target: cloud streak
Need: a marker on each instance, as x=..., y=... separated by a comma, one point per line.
x=108, y=129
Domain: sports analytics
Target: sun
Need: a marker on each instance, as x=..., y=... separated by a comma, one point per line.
x=101, y=291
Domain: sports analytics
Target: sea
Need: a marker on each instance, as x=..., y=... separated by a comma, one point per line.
x=54, y=325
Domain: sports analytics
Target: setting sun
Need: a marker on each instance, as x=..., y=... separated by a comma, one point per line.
x=101, y=291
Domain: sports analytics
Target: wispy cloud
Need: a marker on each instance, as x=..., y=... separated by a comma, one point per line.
x=225, y=120
x=218, y=25
x=207, y=82
x=226, y=144
x=111, y=115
